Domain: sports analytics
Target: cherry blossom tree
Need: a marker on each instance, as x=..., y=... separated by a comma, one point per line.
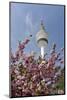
x=34, y=77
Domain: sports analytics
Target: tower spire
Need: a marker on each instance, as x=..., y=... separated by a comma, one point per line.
x=42, y=25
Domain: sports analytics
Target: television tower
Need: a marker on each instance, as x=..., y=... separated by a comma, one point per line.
x=42, y=39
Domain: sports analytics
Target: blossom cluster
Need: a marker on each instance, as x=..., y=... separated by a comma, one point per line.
x=36, y=77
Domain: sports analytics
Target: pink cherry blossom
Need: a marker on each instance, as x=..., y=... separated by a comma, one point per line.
x=32, y=77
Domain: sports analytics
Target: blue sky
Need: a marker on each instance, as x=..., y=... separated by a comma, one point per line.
x=26, y=18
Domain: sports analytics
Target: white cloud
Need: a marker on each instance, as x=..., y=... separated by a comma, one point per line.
x=29, y=22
